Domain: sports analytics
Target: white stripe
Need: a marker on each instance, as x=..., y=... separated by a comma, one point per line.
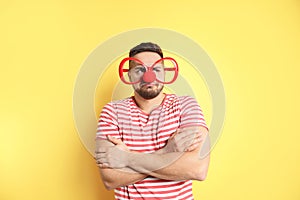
x=165, y=195
x=133, y=124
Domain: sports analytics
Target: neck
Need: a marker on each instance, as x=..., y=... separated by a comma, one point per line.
x=147, y=105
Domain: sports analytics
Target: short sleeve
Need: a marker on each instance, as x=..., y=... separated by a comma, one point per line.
x=107, y=123
x=191, y=113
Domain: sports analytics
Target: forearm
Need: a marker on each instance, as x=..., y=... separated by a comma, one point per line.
x=114, y=178
x=170, y=166
x=176, y=165
x=187, y=167
x=146, y=163
x=119, y=166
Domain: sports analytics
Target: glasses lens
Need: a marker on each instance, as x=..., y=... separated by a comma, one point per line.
x=165, y=70
x=133, y=71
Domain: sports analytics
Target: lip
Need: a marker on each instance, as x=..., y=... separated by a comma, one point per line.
x=148, y=84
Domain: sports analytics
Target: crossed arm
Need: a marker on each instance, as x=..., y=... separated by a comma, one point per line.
x=185, y=157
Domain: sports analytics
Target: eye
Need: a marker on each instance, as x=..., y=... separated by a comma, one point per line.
x=139, y=69
x=158, y=68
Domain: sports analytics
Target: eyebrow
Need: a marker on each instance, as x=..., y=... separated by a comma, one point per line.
x=132, y=62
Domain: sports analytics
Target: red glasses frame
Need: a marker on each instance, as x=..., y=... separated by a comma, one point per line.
x=149, y=73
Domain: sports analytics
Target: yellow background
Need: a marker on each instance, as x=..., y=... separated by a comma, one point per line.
x=254, y=44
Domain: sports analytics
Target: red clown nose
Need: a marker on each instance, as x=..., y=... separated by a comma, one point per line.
x=149, y=77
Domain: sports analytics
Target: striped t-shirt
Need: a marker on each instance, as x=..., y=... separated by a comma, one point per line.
x=147, y=133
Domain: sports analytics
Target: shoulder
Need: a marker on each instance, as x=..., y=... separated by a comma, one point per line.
x=120, y=102
x=114, y=105
x=183, y=100
x=180, y=102
x=186, y=98
x=174, y=98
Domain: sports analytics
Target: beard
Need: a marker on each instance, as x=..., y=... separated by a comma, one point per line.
x=149, y=93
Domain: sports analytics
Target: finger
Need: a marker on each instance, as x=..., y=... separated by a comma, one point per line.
x=189, y=130
x=196, y=143
x=181, y=136
x=101, y=160
x=173, y=134
x=201, y=138
x=189, y=138
x=103, y=165
x=101, y=150
x=191, y=134
x=100, y=156
x=193, y=147
x=196, y=137
x=182, y=133
x=114, y=140
x=197, y=140
x=187, y=142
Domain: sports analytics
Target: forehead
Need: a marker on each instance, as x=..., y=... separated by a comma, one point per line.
x=147, y=57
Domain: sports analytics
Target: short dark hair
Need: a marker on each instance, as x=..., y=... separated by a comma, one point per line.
x=146, y=46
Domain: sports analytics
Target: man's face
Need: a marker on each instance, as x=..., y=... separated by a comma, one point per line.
x=144, y=89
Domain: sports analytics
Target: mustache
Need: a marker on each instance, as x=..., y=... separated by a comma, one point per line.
x=153, y=83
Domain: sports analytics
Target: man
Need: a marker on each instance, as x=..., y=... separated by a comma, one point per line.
x=151, y=145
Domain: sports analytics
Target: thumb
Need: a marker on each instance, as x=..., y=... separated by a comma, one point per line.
x=114, y=140
x=175, y=133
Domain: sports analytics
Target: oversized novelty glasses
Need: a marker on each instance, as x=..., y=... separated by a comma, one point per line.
x=132, y=71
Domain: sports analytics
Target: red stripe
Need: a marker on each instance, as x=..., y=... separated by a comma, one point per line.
x=157, y=194
x=146, y=145
x=126, y=118
x=132, y=131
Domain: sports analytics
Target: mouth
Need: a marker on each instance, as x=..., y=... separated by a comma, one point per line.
x=148, y=85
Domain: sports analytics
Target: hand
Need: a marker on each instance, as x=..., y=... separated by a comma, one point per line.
x=112, y=156
x=186, y=139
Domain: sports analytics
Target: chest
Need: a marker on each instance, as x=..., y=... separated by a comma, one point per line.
x=148, y=132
